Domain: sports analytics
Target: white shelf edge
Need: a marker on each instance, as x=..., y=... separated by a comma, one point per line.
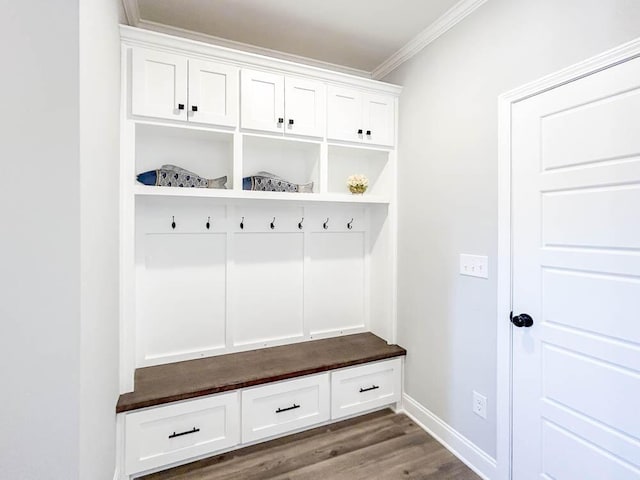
x=143, y=190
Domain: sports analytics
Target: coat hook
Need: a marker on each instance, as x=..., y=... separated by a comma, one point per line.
x=350, y=224
x=325, y=225
x=242, y=224
x=300, y=223
x=273, y=223
x=173, y=222
x=208, y=225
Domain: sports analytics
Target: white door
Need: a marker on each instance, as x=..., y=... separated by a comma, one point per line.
x=576, y=272
x=159, y=85
x=213, y=93
x=378, y=113
x=304, y=107
x=344, y=115
x=262, y=98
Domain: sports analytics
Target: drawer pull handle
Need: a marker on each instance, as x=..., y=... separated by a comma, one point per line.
x=174, y=434
x=368, y=389
x=293, y=407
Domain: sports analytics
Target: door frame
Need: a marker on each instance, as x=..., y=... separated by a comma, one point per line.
x=504, y=407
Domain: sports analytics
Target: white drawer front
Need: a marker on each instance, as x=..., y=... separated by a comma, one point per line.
x=356, y=389
x=278, y=408
x=163, y=435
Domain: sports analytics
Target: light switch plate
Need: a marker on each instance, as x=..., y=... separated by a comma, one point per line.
x=474, y=265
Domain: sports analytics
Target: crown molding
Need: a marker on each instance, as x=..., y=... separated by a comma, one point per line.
x=132, y=12
x=448, y=20
x=246, y=47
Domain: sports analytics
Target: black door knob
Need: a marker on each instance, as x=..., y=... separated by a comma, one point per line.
x=522, y=320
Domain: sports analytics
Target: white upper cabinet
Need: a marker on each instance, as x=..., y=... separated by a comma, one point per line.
x=356, y=116
x=378, y=119
x=275, y=103
x=179, y=88
x=262, y=101
x=213, y=93
x=159, y=85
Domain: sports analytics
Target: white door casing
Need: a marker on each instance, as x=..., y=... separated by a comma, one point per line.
x=213, y=90
x=159, y=84
x=575, y=160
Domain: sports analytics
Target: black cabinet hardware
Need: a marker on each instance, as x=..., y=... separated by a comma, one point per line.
x=368, y=389
x=292, y=407
x=181, y=106
x=368, y=133
x=194, y=108
x=280, y=120
x=173, y=222
x=359, y=131
x=291, y=121
x=522, y=320
x=188, y=432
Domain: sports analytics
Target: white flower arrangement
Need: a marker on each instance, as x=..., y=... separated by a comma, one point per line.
x=357, y=183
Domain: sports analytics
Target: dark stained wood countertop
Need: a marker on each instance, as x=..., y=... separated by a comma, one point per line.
x=195, y=378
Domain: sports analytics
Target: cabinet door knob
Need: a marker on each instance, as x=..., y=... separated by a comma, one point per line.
x=291, y=121
x=368, y=133
x=181, y=106
x=359, y=131
x=194, y=108
x=280, y=120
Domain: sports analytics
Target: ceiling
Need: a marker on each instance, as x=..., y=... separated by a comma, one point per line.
x=357, y=34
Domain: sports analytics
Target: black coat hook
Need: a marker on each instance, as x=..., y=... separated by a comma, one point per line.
x=300, y=223
x=325, y=225
x=242, y=224
x=208, y=224
x=273, y=223
x=350, y=224
x=173, y=222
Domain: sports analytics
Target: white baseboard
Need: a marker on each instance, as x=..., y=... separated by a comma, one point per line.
x=463, y=448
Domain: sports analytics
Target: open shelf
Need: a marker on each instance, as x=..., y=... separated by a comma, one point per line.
x=144, y=190
x=295, y=161
x=346, y=160
x=206, y=153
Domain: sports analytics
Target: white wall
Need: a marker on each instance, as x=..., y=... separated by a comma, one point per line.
x=39, y=241
x=99, y=200
x=58, y=239
x=448, y=184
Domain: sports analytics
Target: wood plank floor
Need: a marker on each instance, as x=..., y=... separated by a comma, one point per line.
x=382, y=445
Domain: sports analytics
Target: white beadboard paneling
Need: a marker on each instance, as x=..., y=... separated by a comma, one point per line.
x=182, y=294
x=268, y=285
x=336, y=281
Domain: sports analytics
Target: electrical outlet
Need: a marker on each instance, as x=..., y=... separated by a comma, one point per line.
x=479, y=405
x=474, y=265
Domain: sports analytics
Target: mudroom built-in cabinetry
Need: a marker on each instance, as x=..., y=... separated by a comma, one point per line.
x=257, y=292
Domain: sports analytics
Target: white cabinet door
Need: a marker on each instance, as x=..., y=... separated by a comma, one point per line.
x=213, y=93
x=344, y=119
x=378, y=119
x=159, y=85
x=304, y=107
x=262, y=101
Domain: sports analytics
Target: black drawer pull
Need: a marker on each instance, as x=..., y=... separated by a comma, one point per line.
x=174, y=434
x=368, y=389
x=293, y=407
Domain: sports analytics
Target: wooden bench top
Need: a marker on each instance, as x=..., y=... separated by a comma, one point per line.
x=194, y=378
